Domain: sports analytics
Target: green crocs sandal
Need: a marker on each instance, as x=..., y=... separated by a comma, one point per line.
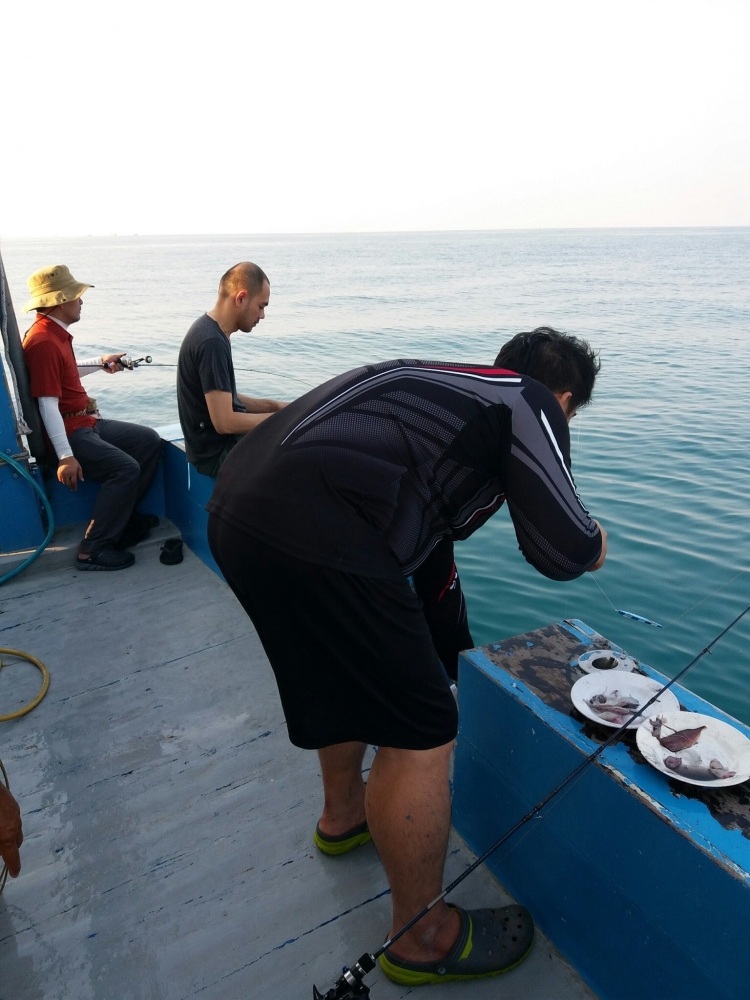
x=343, y=842
x=490, y=942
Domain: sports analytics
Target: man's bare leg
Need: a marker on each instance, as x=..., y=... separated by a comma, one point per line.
x=343, y=788
x=409, y=815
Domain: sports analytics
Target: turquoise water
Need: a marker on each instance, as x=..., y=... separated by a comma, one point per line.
x=660, y=457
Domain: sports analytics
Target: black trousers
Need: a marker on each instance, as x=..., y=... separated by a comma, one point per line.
x=123, y=457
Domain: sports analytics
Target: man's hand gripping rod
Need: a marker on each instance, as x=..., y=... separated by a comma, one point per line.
x=130, y=363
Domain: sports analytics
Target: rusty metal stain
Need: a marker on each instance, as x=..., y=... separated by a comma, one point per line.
x=542, y=660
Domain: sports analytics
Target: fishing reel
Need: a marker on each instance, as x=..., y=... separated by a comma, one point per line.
x=350, y=985
x=130, y=363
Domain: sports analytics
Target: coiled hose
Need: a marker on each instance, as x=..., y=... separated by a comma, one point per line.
x=42, y=691
x=23, y=471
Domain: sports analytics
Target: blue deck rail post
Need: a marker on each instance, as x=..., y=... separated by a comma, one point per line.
x=21, y=525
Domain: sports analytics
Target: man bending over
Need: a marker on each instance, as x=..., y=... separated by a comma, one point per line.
x=319, y=518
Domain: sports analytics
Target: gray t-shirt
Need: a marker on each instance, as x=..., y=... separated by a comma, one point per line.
x=204, y=365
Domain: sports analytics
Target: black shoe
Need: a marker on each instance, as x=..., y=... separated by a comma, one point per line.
x=106, y=559
x=171, y=552
x=138, y=527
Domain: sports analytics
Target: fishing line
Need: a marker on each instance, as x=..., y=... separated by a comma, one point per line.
x=350, y=986
x=711, y=594
x=649, y=621
x=260, y=371
x=627, y=614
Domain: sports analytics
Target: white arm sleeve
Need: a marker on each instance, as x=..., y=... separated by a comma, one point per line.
x=89, y=365
x=49, y=408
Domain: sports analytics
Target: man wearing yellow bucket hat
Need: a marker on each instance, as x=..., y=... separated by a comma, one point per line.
x=123, y=457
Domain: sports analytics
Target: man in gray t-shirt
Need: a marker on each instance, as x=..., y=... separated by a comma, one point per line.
x=213, y=415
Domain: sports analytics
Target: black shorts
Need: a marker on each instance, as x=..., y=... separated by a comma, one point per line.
x=352, y=655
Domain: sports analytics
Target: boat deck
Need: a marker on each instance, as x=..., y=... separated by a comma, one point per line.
x=168, y=819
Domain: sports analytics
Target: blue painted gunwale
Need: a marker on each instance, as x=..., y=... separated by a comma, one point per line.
x=629, y=873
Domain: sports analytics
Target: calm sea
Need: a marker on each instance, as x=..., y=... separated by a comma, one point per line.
x=660, y=457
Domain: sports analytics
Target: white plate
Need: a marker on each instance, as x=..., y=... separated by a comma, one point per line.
x=718, y=742
x=617, y=685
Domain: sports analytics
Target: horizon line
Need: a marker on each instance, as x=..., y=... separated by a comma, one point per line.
x=364, y=232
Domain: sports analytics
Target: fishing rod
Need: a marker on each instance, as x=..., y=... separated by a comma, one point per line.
x=350, y=986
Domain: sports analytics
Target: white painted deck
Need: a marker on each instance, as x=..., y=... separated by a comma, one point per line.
x=168, y=820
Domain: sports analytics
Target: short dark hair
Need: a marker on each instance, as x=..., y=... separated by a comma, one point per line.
x=244, y=275
x=560, y=361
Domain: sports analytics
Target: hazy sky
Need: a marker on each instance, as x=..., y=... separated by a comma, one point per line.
x=280, y=116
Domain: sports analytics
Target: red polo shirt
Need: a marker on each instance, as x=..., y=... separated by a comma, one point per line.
x=48, y=349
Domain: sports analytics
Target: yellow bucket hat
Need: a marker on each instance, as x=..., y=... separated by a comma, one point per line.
x=51, y=286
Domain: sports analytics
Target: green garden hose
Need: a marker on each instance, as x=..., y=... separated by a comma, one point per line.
x=25, y=474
